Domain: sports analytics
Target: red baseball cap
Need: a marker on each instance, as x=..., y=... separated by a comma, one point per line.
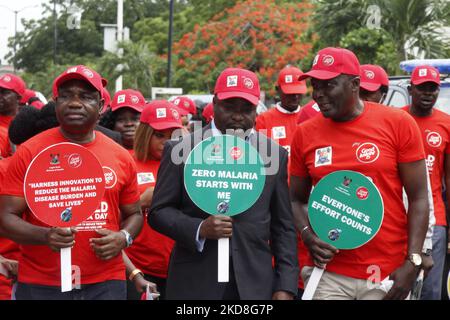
x=423, y=74
x=289, y=83
x=373, y=77
x=332, y=62
x=12, y=82
x=38, y=104
x=161, y=115
x=208, y=112
x=78, y=72
x=238, y=83
x=27, y=95
x=185, y=103
x=128, y=98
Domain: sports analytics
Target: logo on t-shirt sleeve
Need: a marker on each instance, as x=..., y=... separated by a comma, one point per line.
x=145, y=177
x=323, y=156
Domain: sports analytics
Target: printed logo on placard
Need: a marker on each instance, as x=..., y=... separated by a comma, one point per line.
x=215, y=150
x=279, y=132
x=232, y=81
x=334, y=234
x=369, y=74
x=362, y=193
x=423, y=72
x=248, y=83
x=434, y=139
x=288, y=78
x=223, y=207
x=74, y=160
x=346, y=181
x=236, y=153
x=161, y=113
x=121, y=98
x=145, y=177
x=54, y=159
x=367, y=152
x=110, y=177
x=323, y=156
x=328, y=60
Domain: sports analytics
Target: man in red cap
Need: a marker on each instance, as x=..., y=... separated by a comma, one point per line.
x=435, y=128
x=379, y=142
x=12, y=88
x=208, y=112
x=279, y=123
x=193, y=266
x=374, y=83
x=101, y=238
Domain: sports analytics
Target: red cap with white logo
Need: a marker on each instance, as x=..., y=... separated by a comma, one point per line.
x=423, y=74
x=332, y=62
x=373, y=77
x=128, y=98
x=186, y=105
x=12, y=82
x=161, y=115
x=289, y=83
x=238, y=83
x=79, y=72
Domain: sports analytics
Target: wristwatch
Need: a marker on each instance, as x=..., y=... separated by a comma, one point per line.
x=415, y=259
x=427, y=252
x=128, y=237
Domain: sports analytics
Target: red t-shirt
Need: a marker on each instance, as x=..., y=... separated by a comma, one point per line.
x=435, y=131
x=389, y=136
x=279, y=124
x=308, y=111
x=8, y=248
x=151, y=250
x=5, y=146
x=39, y=264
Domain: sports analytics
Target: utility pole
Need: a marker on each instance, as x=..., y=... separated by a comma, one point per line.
x=119, y=38
x=55, y=32
x=169, y=44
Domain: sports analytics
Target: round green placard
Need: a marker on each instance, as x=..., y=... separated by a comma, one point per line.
x=224, y=175
x=345, y=209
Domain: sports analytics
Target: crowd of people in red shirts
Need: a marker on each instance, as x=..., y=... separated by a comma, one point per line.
x=125, y=258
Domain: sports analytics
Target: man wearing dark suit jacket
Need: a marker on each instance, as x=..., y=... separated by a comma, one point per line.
x=263, y=231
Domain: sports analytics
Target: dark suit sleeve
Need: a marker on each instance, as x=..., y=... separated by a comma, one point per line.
x=166, y=215
x=283, y=234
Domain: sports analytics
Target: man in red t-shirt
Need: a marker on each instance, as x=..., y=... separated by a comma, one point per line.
x=279, y=123
x=345, y=127
x=435, y=129
x=101, y=238
x=12, y=88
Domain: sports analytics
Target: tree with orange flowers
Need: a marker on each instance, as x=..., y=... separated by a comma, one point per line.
x=260, y=35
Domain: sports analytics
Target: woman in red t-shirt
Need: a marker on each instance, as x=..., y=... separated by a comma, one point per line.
x=123, y=117
x=151, y=250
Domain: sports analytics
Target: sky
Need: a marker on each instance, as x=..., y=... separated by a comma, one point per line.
x=7, y=19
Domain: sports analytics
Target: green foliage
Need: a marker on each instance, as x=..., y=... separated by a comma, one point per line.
x=405, y=25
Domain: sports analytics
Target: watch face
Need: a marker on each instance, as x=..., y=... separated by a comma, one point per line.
x=416, y=259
